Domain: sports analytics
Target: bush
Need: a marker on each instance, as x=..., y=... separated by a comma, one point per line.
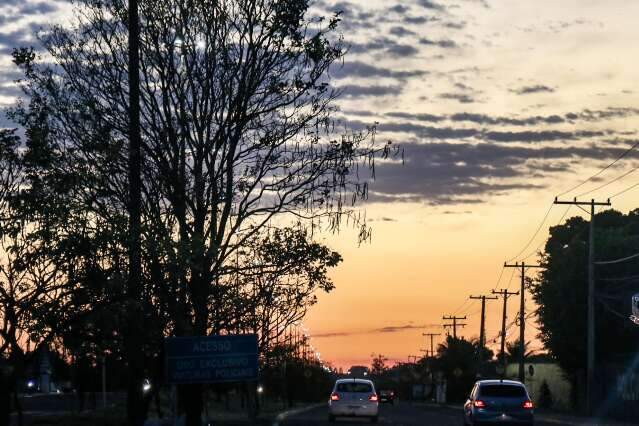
x=545, y=396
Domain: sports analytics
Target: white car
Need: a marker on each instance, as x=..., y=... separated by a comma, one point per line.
x=353, y=398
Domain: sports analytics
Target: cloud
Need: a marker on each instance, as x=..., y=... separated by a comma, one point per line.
x=415, y=19
x=381, y=330
x=357, y=91
x=539, y=88
x=364, y=70
x=460, y=97
x=442, y=173
x=401, y=31
x=429, y=4
x=539, y=136
x=445, y=44
x=486, y=120
x=401, y=50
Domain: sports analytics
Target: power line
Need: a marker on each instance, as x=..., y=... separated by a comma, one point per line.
x=510, y=281
x=461, y=306
x=623, y=259
x=600, y=171
x=532, y=253
x=501, y=274
x=608, y=183
x=625, y=190
x=543, y=221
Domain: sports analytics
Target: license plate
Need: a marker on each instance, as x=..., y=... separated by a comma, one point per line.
x=354, y=407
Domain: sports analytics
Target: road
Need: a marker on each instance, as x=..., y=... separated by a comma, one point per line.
x=402, y=414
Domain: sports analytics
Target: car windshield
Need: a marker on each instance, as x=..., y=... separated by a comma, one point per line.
x=354, y=387
x=502, y=391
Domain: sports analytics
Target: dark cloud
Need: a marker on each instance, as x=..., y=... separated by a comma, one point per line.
x=401, y=50
x=539, y=88
x=416, y=19
x=399, y=8
x=539, y=136
x=364, y=70
x=387, y=329
x=455, y=25
x=442, y=173
x=429, y=4
x=386, y=45
x=357, y=91
x=485, y=120
x=401, y=32
x=445, y=44
x=421, y=117
x=459, y=97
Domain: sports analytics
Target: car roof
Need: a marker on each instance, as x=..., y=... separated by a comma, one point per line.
x=500, y=382
x=354, y=380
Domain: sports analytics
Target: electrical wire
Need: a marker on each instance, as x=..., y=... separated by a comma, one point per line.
x=623, y=259
x=501, y=274
x=624, y=191
x=544, y=242
x=461, y=306
x=543, y=221
x=510, y=282
x=628, y=151
x=610, y=182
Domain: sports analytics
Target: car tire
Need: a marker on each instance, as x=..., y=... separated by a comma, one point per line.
x=331, y=418
x=374, y=419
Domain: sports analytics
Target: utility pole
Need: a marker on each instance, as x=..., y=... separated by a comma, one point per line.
x=482, y=329
x=590, y=369
x=432, y=345
x=504, y=293
x=134, y=334
x=522, y=314
x=454, y=325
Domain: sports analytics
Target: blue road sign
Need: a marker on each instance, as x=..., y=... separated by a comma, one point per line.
x=211, y=359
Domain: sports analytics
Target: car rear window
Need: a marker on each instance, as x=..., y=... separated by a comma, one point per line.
x=354, y=387
x=502, y=391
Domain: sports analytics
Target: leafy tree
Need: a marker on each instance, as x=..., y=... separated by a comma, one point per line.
x=457, y=359
x=513, y=351
x=561, y=290
x=237, y=142
x=378, y=366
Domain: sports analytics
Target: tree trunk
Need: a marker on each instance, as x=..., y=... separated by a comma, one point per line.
x=190, y=400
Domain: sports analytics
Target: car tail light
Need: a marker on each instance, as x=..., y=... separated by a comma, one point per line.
x=334, y=396
x=479, y=403
x=529, y=405
x=373, y=398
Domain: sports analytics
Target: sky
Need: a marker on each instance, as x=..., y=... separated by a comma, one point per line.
x=499, y=106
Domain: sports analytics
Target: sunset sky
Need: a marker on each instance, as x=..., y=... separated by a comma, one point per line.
x=499, y=106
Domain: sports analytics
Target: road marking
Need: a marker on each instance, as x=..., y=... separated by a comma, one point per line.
x=283, y=416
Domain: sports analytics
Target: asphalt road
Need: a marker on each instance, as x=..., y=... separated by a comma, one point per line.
x=401, y=414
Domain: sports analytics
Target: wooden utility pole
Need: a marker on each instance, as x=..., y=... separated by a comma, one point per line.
x=454, y=325
x=482, y=327
x=504, y=293
x=134, y=335
x=432, y=344
x=522, y=314
x=590, y=368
